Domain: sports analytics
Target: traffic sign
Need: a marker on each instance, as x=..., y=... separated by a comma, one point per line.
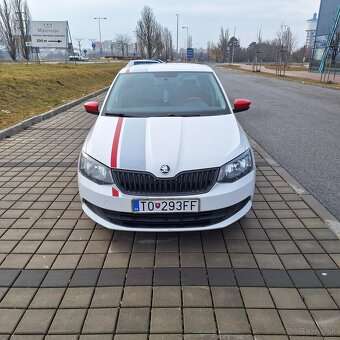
x=190, y=53
x=93, y=46
x=48, y=34
x=85, y=52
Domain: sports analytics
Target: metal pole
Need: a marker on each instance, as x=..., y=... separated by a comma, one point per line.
x=232, y=55
x=100, y=33
x=177, y=34
x=186, y=54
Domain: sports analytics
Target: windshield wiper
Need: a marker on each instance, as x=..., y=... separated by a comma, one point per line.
x=118, y=114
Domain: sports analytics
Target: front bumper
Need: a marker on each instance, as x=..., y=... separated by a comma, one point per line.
x=224, y=204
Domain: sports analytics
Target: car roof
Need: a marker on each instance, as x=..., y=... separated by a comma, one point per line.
x=162, y=67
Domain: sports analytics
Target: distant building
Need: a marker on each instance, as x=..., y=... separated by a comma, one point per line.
x=311, y=30
x=328, y=25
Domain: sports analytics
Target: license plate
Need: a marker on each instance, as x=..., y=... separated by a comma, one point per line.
x=165, y=206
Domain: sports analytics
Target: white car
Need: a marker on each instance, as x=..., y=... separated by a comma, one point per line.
x=143, y=61
x=166, y=153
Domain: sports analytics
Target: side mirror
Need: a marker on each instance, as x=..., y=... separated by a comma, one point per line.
x=241, y=105
x=92, y=107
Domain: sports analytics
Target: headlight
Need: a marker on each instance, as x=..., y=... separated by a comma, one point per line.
x=237, y=168
x=94, y=170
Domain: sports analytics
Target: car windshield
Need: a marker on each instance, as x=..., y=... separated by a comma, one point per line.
x=155, y=94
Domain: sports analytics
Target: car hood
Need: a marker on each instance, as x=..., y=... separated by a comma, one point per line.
x=182, y=143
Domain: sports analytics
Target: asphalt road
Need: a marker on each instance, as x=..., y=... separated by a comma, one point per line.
x=298, y=125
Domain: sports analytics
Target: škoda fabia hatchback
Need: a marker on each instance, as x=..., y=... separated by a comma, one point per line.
x=166, y=153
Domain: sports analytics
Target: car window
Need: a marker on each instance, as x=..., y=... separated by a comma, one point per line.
x=166, y=94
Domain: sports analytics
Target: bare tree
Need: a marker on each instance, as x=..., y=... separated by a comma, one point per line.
x=190, y=41
x=22, y=18
x=223, y=44
x=123, y=41
x=148, y=32
x=7, y=28
x=286, y=39
x=167, y=44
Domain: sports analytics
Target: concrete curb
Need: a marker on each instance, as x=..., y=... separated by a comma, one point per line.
x=5, y=133
x=332, y=223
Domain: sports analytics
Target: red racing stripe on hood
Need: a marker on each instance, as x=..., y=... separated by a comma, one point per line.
x=114, y=151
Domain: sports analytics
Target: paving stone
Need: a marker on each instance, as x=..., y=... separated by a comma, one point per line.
x=107, y=297
x=265, y=321
x=7, y=276
x=256, y=297
x=9, y=319
x=276, y=278
x=137, y=297
x=323, y=234
x=100, y=320
x=84, y=277
x=237, y=246
x=166, y=277
x=243, y=261
x=317, y=298
x=119, y=260
x=14, y=261
x=30, y=278
x=221, y=277
x=77, y=297
x=232, y=321
x=196, y=297
x=278, y=235
x=261, y=247
x=111, y=277
x=201, y=337
x=331, y=247
x=191, y=260
x=66, y=262
x=287, y=298
x=304, y=279
x=67, y=321
x=96, y=337
x=41, y=262
x=165, y=260
x=194, y=277
x=133, y=320
x=268, y=261
x=166, y=320
x=328, y=322
x=131, y=337
x=18, y=298
x=285, y=247
x=294, y=261
x=57, y=278
x=226, y=297
x=139, y=277
x=298, y=322
x=330, y=278
x=249, y=277
x=199, y=320
x=142, y=260
x=47, y=298
x=35, y=321
x=321, y=261
x=309, y=247
x=217, y=260
x=166, y=296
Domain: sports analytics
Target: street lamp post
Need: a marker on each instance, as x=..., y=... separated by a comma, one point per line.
x=177, y=34
x=186, y=54
x=100, y=33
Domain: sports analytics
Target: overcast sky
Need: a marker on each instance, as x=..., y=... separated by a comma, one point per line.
x=204, y=18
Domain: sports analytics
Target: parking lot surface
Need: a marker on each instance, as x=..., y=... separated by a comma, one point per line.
x=272, y=275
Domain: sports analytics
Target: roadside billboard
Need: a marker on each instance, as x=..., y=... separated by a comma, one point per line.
x=48, y=34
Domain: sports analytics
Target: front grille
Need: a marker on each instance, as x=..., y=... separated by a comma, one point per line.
x=168, y=220
x=185, y=183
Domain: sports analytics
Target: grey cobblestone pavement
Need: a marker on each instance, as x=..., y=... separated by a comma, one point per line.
x=272, y=275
